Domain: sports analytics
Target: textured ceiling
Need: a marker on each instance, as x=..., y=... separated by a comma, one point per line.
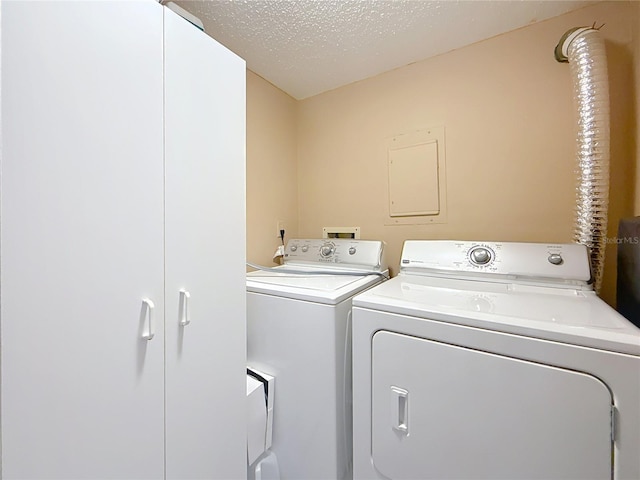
x=306, y=47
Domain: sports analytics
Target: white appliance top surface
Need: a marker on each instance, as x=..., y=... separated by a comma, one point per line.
x=572, y=316
x=304, y=281
x=330, y=289
x=322, y=270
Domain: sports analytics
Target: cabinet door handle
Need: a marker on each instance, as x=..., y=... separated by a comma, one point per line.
x=148, y=313
x=185, y=318
x=400, y=410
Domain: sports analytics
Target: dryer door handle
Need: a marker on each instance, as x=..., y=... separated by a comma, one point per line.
x=400, y=410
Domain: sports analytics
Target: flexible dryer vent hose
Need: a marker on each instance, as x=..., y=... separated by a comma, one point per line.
x=584, y=49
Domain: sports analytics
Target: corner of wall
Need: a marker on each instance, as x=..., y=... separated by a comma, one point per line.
x=272, y=173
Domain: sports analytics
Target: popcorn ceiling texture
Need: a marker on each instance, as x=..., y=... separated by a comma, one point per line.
x=306, y=47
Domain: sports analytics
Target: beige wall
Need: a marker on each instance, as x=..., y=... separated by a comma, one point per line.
x=506, y=105
x=507, y=109
x=272, y=189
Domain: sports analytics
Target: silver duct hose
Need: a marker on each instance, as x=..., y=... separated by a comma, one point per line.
x=584, y=49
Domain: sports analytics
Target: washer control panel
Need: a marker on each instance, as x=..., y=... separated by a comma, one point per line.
x=565, y=262
x=335, y=251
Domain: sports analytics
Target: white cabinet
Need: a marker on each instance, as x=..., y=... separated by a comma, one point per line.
x=122, y=180
x=205, y=254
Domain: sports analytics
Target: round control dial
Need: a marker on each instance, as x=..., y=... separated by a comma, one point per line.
x=352, y=250
x=555, y=259
x=480, y=255
x=327, y=250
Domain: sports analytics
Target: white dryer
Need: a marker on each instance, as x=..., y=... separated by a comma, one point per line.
x=298, y=329
x=493, y=361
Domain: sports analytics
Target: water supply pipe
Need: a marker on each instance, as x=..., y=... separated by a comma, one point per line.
x=584, y=49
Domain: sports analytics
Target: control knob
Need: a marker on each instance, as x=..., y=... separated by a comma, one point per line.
x=480, y=256
x=326, y=250
x=294, y=248
x=555, y=259
x=352, y=250
x=305, y=248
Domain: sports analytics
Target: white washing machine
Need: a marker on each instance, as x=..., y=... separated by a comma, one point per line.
x=298, y=329
x=493, y=361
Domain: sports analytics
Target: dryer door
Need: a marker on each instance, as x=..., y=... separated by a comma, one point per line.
x=442, y=411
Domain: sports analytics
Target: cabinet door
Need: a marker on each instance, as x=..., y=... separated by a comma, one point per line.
x=205, y=255
x=81, y=240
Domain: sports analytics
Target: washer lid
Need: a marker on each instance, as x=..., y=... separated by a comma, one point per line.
x=321, y=288
x=566, y=315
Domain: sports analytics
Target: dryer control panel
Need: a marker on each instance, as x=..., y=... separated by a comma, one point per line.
x=563, y=263
x=347, y=253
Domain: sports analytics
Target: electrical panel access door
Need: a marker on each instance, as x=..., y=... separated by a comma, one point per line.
x=443, y=411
